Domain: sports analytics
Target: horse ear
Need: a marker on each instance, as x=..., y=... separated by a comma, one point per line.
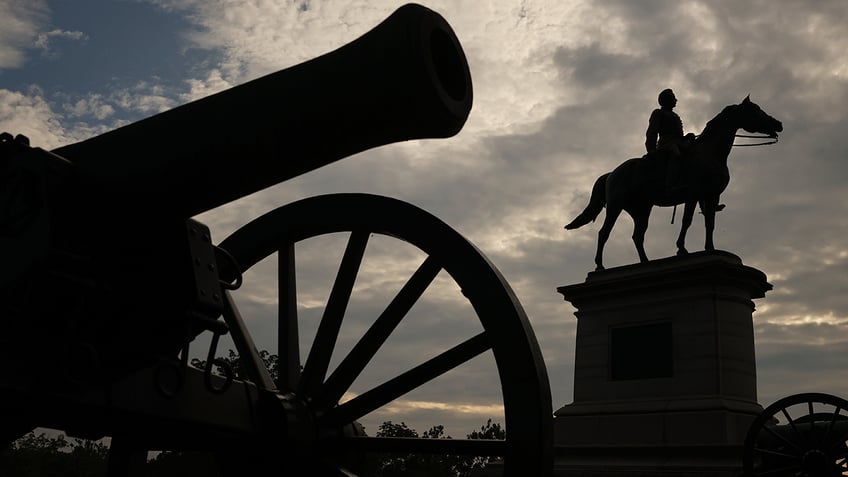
x=747, y=99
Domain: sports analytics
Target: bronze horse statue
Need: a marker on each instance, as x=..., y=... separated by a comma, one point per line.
x=639, y=184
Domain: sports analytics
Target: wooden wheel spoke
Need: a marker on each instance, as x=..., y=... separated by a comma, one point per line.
x=830, y=425
x=412, y=379
x=364, y=350
x=791, y=422
x=249, y=359
x=415, y=445
x=315, y=369
x=785, y=440
x=336, y=471
x=775, y=453
x=839, y=441
x=288, y=352
x=811, y=413
x=781, y=471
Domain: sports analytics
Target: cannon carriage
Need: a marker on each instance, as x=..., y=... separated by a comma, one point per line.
x=804, y=435
x=107, y=279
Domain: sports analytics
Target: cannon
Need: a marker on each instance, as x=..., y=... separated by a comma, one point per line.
x=804, y=435
x=108, y=280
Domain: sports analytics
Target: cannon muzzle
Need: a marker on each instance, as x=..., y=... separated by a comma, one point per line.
x=405, y=79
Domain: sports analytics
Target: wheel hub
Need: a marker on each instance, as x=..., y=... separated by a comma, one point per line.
x=287, y=418
x=816, y=463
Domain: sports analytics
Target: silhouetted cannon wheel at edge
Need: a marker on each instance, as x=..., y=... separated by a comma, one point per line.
x=105, y=270
x=800, y=435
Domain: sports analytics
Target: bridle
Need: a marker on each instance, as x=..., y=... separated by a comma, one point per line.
x=771, y=139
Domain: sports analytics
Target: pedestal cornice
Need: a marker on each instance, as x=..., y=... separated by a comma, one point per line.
x=713, y=270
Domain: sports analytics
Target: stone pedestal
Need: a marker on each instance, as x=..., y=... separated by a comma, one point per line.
x=665, y=376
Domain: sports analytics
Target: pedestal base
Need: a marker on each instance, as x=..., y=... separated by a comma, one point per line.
x=665, y=374
x=678, y=461
x=685, y=437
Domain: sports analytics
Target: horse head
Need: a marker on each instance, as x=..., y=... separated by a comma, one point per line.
x=754, y=120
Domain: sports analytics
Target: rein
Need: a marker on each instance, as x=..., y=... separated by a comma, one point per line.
x=771, y=140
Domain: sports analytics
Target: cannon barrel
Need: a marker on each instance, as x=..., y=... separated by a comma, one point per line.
x=405, y=79
x=102, y=260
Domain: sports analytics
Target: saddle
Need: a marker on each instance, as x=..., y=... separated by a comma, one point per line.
x=665, y=169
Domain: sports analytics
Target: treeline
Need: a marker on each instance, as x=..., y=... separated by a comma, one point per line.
x=431, y=465
x=42, y=455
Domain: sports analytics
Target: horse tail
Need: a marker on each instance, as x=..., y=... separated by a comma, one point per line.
x=596, y=204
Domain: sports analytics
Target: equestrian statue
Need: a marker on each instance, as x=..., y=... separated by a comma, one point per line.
x=701, y=175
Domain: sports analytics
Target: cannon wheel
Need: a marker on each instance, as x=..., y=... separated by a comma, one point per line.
x=528, y=446
x=799, y=435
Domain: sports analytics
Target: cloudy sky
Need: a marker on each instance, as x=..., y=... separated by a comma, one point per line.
x=562, y=93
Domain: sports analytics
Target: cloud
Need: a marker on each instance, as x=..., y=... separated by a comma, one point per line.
x=258, y=37
x=200, y=88
x=145, y=97
x=801, y=357
x=31, y=115
x=94, y=105
x=44, y=40
x=77, y=117
x=20, y=21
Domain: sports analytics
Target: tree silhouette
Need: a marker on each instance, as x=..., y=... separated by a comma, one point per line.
x=491, y=431
x=234, y=363
x=45, y=456
x=431, y=465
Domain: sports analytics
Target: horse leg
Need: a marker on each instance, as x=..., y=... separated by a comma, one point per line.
x=603, y=234
x=640, y=226
x=688, y=213
x=708, y=208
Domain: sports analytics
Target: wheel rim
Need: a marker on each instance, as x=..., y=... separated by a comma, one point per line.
x=527, y=449
x=803, y=435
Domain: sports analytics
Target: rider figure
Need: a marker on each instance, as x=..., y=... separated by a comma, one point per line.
x=665, y=129
x=665, y=138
